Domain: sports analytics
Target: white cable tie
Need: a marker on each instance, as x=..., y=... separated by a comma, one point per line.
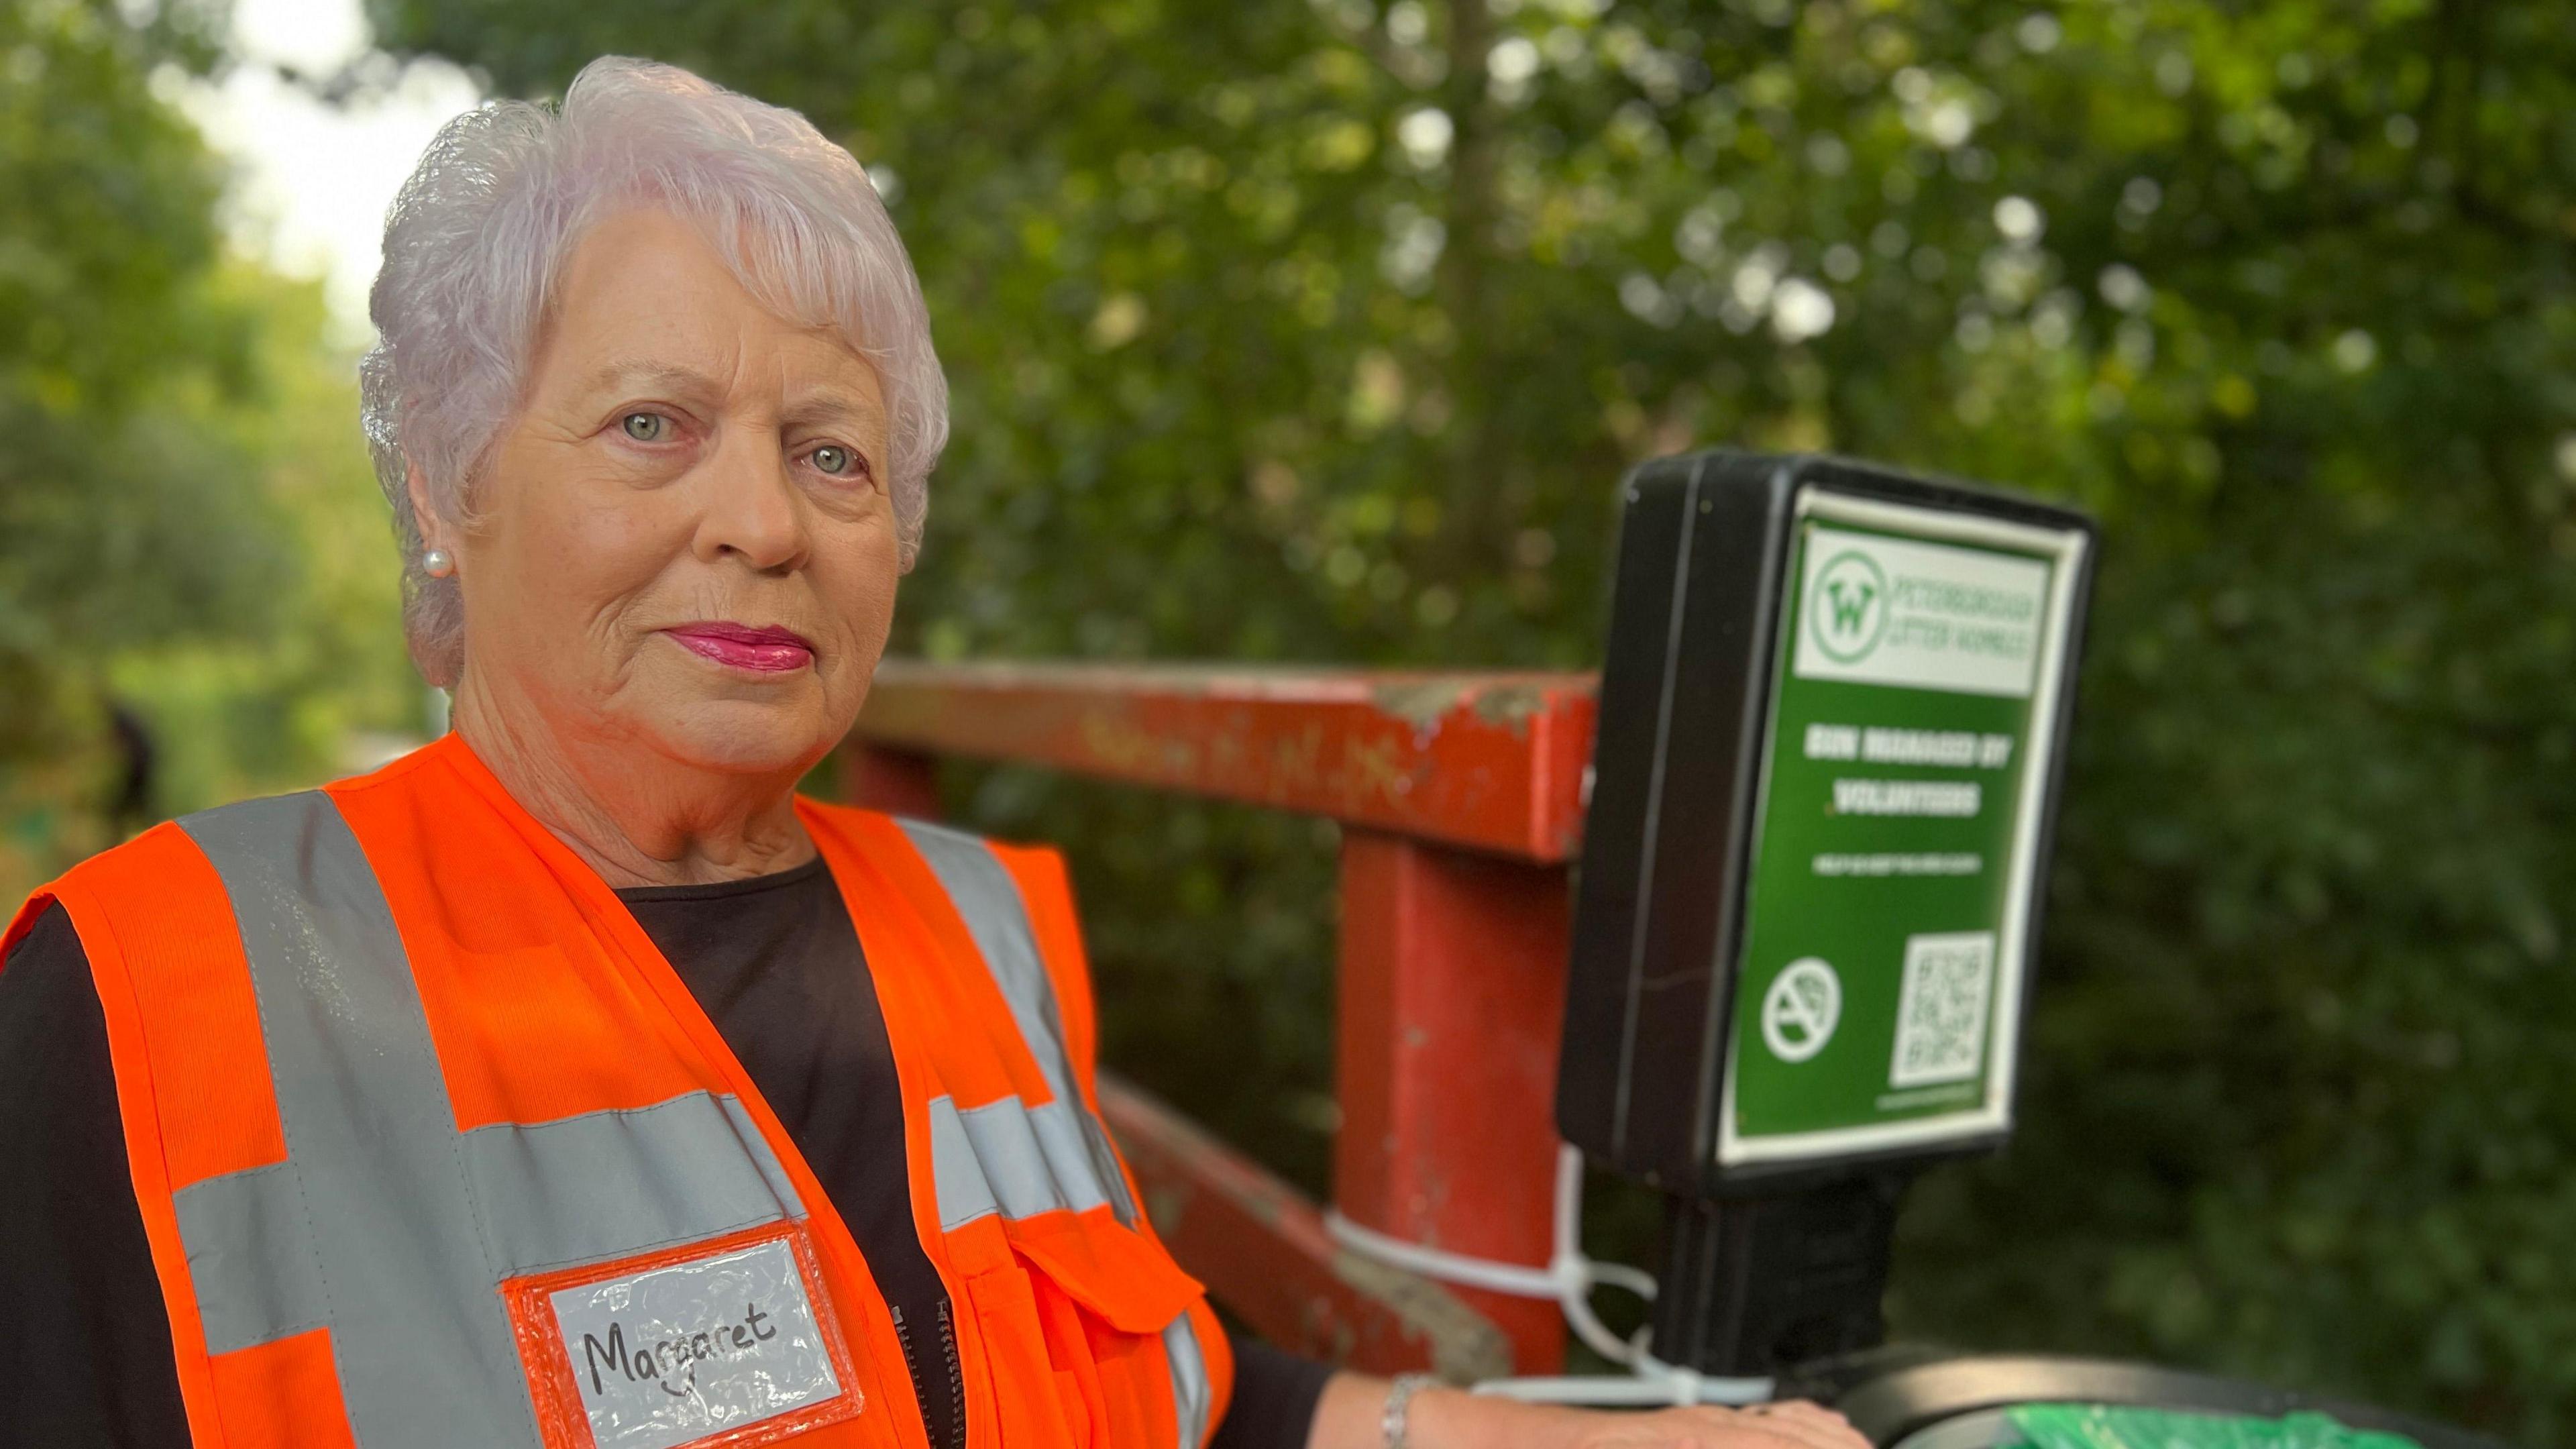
x=1569, y=1278
x=1497, y=1277
x=1620, y=1275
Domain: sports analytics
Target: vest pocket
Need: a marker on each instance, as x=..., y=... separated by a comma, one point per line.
x=1119, y=1274
x=1032, y=1407
x=1073, y=1323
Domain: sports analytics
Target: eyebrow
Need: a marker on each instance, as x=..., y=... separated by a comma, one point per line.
x=659, y=374
x=832, y=406
x=824, y=404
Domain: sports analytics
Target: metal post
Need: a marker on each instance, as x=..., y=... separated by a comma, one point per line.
x=1452, y=994
x=1460, y=798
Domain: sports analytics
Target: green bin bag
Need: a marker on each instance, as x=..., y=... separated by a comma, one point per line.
x=2113, y=1426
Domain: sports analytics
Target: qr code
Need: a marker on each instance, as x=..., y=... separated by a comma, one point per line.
x=1941, y=1010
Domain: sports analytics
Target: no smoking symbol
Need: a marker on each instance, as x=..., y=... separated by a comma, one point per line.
x=1801, y=1008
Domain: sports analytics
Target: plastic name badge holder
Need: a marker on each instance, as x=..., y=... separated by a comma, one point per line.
x=724, y=1344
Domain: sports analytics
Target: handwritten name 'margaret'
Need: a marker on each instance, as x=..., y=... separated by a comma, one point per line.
x=670, y=1359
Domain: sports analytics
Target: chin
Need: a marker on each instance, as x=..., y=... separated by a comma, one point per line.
x=742, y=737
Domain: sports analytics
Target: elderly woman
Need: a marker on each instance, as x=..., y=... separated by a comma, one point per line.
x=571, y=1082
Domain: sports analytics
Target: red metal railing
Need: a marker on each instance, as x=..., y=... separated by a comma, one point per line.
x=1460, y=797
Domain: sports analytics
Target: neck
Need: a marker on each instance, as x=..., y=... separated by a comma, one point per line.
x=635, y=815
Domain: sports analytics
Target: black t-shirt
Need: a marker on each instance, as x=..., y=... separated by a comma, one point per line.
x=774, y=961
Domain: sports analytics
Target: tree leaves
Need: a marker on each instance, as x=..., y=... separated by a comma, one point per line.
x=1322, y=330
x=161, y=543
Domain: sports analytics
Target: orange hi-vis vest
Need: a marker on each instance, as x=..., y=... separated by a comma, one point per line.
x=434, y=1149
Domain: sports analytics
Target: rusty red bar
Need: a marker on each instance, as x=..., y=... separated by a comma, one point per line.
x=899, y=782
x=1463, y=794
x=1492, y=761
x=1261, y=1248
x=1451, y=1000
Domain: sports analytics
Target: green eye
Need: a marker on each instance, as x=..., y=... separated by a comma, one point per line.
x=646, y=427
x=834, y=459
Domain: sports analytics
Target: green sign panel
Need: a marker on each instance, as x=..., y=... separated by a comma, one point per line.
x=1877, y=1005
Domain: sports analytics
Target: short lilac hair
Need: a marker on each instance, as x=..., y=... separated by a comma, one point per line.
x=479, y=234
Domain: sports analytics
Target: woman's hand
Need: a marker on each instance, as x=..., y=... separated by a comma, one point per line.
x=1444, y=1418
x=1796, y=1425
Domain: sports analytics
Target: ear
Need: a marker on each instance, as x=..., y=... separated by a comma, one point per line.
x=424, y=517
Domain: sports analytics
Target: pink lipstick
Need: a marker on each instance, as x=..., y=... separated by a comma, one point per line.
x=764, y=650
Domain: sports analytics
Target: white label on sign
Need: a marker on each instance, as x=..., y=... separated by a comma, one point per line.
x=670, y=1355
x=1941, y=1008
x=1800, y=1010
x=1880, y=610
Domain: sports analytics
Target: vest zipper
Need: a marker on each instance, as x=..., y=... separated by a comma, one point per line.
x=956, y=1379
x=911, y=1361
x=921, y=1386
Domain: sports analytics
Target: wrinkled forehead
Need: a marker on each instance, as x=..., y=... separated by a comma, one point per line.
x=644, y=287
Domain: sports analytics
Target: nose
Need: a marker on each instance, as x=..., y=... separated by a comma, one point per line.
x=754, y=512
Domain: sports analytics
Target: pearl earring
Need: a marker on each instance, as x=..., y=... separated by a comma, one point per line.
x=437, y=563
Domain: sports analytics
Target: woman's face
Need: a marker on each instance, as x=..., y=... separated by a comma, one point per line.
x=685, y=541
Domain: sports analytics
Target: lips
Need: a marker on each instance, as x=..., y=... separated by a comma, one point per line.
x=766, y=649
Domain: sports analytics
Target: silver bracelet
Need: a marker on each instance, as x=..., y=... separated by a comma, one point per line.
x=1399, y=1401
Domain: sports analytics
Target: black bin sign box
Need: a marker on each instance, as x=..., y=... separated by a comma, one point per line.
x=1833, y=714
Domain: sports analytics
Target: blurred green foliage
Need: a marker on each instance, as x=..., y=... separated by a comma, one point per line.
x=185, y=530
x=1319, y=329
x=1294, y=330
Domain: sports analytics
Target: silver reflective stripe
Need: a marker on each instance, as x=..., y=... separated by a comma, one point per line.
x=612, y=1184
x=249, y=1259
x=987, y=896
x=1010, y=1158
x=988, y=899
x=1045, y=1163
x=1189, y=1380
x=374, y=1169
x=385, y=1224
x=581, y=1189
x=1017, y=1160
x=965, y=1190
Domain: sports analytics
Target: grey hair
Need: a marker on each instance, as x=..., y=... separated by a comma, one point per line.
x=478, y=235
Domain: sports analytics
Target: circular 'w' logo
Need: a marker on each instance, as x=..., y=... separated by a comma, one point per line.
x=1847, y=606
